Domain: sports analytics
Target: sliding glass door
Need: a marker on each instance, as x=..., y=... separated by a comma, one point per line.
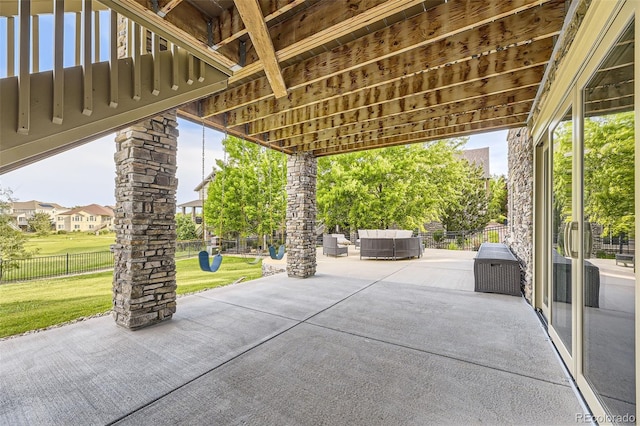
x=608, y=249
x=588, y=289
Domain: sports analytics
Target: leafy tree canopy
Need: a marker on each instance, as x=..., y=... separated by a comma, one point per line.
x=185, y=228
x=40, y=223
x=247, y=195
x=467, y=207
x=498, y=199
x=403, y=186
x=11, y=239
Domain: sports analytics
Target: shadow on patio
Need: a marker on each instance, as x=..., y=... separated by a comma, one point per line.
x=363, y=342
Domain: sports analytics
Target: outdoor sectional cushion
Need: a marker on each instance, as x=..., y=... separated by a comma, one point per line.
x=384, y=233
x=341, y=239
x=401, y=233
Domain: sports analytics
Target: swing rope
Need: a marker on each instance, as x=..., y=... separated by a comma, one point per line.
x=272, y=250
x=203, y=256
x=245, y=156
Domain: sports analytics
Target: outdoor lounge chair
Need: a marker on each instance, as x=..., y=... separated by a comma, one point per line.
x=330, y=246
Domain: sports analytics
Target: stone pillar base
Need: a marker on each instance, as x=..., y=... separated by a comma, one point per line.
x=301, y=215
x=144, y=279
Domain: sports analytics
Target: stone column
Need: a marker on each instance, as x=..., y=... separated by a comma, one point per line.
x=144, y=279
x=520, y=189
x=301, y=215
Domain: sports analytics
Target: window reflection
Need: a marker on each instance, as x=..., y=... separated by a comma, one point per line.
x=560, y=222
x=609, y=212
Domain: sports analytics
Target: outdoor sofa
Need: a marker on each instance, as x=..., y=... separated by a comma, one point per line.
x=389, y=244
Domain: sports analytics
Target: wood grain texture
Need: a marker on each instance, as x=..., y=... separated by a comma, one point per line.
x=257, y=29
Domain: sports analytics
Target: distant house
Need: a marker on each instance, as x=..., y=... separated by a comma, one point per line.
x=196, y=207
x=22, y=211
x=91, y=218
x=480, y=158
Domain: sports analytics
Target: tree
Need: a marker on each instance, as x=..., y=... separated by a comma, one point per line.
x=40, y=223
x=247, y=196
x=12, y=240
x=403, y=186
x=185, y=228
x=466, y=210
x=498, y=199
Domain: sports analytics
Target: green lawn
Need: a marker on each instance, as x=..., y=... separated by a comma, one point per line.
x=39, y=304
x=74, y=242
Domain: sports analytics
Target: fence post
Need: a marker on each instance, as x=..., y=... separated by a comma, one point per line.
x=67, y=264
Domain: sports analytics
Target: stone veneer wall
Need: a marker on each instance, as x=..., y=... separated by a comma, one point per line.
x=144, y=280
x=520, y=189
x=301, y=215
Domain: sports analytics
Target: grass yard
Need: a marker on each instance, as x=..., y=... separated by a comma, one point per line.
x=40, y=304
x=74, y=242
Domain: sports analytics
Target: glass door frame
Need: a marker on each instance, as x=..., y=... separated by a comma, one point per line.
x=601, y=28
x=617, y=26
x=541, y=201
x=567, y=354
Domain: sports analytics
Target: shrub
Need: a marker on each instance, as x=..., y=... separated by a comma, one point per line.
x=438, y=235
x=493, y=237
x=61, y=232
x=452, y=246
x=601, y=254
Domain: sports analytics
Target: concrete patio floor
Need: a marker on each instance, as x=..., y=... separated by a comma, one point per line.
x=363, y=342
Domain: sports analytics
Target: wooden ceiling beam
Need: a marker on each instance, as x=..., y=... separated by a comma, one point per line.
x=341, y=67
x=408, y=76
x=254, y=22
x=336, y=114
x=515, y=97
x=168, y=7
x=172, y=32
x=190, y=112
x=431, y=126
x=438, y=23
x=403, y=124
x=226, y=31
x=437, y=134
x=429, y=113
x=327, y=21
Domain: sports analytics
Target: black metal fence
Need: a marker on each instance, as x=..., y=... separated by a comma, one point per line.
x=75, y=263
x=55, y=266
x=463, y=240
x=189, y=248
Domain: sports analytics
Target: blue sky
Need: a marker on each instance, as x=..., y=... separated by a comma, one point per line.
x=86, y=174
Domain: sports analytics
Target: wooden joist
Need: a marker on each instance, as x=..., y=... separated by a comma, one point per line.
x=404, y=77
x=443, y=133
x=346, y=66
x=408, y=123
x=257, y=29
x=330, y=127
x=336, y=115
